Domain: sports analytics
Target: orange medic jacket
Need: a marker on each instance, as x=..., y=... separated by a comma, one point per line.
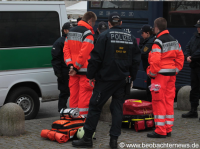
x=78, y=45
x=166, y=56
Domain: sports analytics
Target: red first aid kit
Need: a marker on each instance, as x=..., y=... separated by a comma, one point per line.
x=137, y=107
x=138, y=113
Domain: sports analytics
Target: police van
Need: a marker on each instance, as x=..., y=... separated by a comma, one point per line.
x=27, y=33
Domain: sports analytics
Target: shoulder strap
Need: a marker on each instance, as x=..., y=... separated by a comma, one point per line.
x=85, y=34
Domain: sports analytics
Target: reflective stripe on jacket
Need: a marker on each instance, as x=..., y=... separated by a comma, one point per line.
x=78, y=45
x=166, y=56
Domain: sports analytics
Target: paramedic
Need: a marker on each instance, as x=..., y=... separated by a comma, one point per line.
x=166, y=60
x=78, y=45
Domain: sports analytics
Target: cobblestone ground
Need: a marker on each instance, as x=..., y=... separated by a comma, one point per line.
x=185, y=132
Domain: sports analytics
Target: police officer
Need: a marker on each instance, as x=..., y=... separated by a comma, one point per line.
x=147, y=34
x=115, y=56
x=192, y=55
x=60, y=68
x=102, y=26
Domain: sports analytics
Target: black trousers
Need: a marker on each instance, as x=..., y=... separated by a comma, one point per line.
x=64, y=90
x=195, y=86
x=101, y=93
x=148, y=92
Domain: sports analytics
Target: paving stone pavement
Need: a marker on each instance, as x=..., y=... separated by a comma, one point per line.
x=185, y=132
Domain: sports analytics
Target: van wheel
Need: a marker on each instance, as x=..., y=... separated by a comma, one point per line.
x=27, y=99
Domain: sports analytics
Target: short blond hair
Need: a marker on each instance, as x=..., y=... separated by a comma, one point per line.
x=88, y=15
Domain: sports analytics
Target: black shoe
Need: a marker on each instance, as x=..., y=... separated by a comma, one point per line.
x=169, y=134
x=191, y=114
x=83, y=142
x=113, y=143
x=155, y=135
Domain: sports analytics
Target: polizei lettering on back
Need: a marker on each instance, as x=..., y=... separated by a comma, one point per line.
x=120, y=37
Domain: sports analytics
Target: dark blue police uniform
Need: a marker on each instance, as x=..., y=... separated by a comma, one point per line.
x=146, y=47
x=60, y=68
x=115, y=56
x=193, y=50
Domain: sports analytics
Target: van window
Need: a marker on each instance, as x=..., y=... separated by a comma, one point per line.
x=25, y=29
x=119, y=5
x=181, y=13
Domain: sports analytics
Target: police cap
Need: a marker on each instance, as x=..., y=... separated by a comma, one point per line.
x=198, y=23
x=145, y=28
x=102, y=26
x=114, y=17
x=67, y=25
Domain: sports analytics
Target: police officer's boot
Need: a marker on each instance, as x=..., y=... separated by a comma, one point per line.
x=191, y=114
x=113, y=142
x=84, y=142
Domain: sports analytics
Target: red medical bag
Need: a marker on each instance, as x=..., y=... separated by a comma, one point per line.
x=137, y=107
x=138, y=113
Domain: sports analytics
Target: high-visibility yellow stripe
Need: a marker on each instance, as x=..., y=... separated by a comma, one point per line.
x=135, y=120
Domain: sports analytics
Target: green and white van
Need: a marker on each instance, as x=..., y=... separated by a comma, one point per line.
x=27, y=33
